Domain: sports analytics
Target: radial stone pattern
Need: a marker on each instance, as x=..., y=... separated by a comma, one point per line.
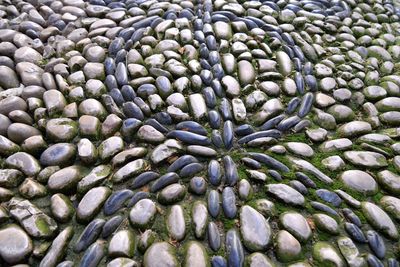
x=199, y=133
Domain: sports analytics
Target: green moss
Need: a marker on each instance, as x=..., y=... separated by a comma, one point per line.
x=42, y=225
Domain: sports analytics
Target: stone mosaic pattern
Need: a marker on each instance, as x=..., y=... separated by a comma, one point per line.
x=199, y=133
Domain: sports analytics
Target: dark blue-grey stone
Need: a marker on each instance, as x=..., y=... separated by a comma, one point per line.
x=292, y=105
x=231, y=173
x=214, y=119
x=191, y=126
x=288, y=123
x=214, y=237
x=227, y=135
x=191, y=169
x=213, y=203
x=209, y=97
x=373, y=261
x=198, y=185
x=244, y=129
x=218, y=261
x=116, y=95
x=214, y=172
x=355, y=232
x=225, y=109
x=189, y=137
x=116, y=201
x=131, y=110
x=136, y=197
x=267, y=133
x=109, y=66
x=269, y=161
x=144, y=107
x=163, y=181
x=181, y=162
x=158, y=126
x=128, y=93
x=306, y=105
x=251, y=163
x=146, y=89
x=351, y=217
x=329, y=196
x=234, y=249
x=274, y=174
x=111, y=225
x=229, y=202
x=376, y=243
x=304, y=179
x=93, y=255
x=322, y=207
x=110, y=82
x=89, y=235
x=129, y=128
x=271, y=123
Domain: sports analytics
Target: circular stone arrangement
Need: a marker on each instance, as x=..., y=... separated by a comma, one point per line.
x=199, y=133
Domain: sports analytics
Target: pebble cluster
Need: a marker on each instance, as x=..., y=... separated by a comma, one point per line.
x=199, y=133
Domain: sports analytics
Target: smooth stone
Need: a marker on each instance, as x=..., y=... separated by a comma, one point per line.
x=199, y=217
x=300, y=149
x=389, y=181
x=8, y=78
x=326, y=223
x=324, y=253
x=288, y=248
x=19, y=132
x=354, y=128
x=171, y=194
x=380, y=220
x=366, y=159
x=65, y=180
x=58, y=155
x=176, y=223
x=24, y=162
x=61, y=207
x=296, y=224
x=359, y=181
x=122, y=244
x=350, y=252
x=142, y=214
x=255, y=229
x=58, y=248
x=16, y=244
x=391, y=205
x=333, y=163
x=160, y=254
x=196, y=255
x=336, y=145
x=286, y=194
x=61, y=130
x=93, y=255
x=129, y=170
x=234, y=248
x=258, y=259
x=91, y=203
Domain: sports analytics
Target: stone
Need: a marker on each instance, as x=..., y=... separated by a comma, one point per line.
x=175, y=223
x=324, y=253
x=254, y=229
x=91, y=203
x=366, y=159
x=287, y=247
x=359, y=181
x=17, y=245
x=296, y=224
x=142, y=214
x=389, y=181
x=122, y=244
x=379, y=220
x=160, y=254
x=286, y=194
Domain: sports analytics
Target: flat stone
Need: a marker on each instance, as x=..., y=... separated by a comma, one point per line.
x=160, y=254
x=366, y=159
x=16, y=244
x=288, y=248
x=296, y=224
x=254, y=228
x=380, y=220
x=359, y=181
x=91, y=203
x=286, y=194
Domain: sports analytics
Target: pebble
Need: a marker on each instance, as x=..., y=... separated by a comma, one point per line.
x=170, y=111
